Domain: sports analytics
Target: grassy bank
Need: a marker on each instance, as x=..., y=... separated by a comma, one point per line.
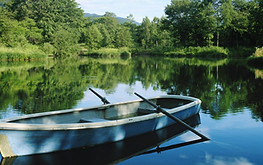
x=27, y=53
x=107, y=52
x=203, y=52
x=206, y=52
x=256, y=60
x=151, y=51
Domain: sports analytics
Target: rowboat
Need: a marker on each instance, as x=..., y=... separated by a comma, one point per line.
x=116, y=152
x=86, y=127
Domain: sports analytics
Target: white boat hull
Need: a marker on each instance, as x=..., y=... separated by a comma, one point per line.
x=17, y=139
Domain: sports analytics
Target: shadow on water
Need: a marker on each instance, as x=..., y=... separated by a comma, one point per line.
x=113, y=152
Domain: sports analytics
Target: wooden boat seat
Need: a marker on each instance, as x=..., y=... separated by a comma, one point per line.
x=92, y=120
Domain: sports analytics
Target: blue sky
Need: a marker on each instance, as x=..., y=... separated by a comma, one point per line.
x=139, y=8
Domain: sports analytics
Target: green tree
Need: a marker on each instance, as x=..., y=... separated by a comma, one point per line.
x=133, y=28
x=256, y=22
x=192, y=22
x=234, y=24
x=110, y=23
x=93, y=37
x=48, y=18
x=179, y=18
x=11, y=33
x=33, y=34
x=161, y=36
x=155, y=32
x=107, y=40
x=205, y=24
x=48, y=14
x=64, y=42
x=123, y=37
x=145, y=32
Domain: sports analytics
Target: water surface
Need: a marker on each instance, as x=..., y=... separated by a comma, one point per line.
x=231, y=94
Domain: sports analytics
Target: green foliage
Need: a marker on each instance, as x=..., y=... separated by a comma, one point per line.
x=48, y=48
x=228, y=23
x=152, y=34
x=106, y=32
x=93, y=37
x=234, y=23
x=204, y=52
x=256, y=60
x=123, y=37
x=59, y=26
x=107, y=40
x=158, y=50
x=111, y=52
x=11, y=33
x=49, y=14
x=65, y=43
x=212, y=52
x=193, y=22
x=21, y=53
x=38, y=22
x=256, y=22
x=259, y=52
x=32, y=33
x=145, y=32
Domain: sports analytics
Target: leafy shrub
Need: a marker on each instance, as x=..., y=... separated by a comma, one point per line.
x=48, y=48
x=65, y=42
x=211, y=51
x=124, y=51
x=256, y=60
x=259, y=52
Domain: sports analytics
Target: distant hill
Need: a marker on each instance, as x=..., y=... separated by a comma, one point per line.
x=120, y=19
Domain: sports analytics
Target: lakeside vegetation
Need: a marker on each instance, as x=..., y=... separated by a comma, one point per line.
x=223, y=28
x=256, y=60
x=19, y=53
x=108, y=52
x=211, y=51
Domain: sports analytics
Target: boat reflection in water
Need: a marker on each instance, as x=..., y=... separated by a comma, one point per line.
x=113, y=152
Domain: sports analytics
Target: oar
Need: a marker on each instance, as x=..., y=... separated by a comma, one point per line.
x=103, y=99
x=158, y=108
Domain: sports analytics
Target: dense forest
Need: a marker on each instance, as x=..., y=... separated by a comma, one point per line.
x=59, y=26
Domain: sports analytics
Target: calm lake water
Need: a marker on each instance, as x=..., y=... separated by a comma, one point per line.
x=231, y=115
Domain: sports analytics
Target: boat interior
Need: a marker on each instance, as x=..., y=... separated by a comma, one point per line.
x=100, y=113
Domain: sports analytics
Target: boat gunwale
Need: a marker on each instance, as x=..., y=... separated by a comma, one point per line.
x=5, y=125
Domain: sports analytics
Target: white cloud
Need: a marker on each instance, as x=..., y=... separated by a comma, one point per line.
x=220, y=160
x=139, y=8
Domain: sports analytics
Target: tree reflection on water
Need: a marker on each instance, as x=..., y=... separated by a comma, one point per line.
x=224, y=86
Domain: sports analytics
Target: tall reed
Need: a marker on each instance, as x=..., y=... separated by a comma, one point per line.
x=20, y=53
